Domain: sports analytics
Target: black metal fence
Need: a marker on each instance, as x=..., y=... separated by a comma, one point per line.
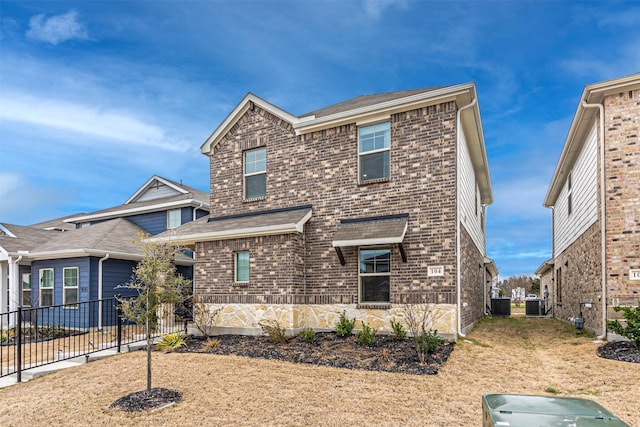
x=32, y=337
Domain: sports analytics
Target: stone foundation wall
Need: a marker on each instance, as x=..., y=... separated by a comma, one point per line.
x=245, y=318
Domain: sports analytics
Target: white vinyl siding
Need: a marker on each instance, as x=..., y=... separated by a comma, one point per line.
x=470, y=209
x=584, y=197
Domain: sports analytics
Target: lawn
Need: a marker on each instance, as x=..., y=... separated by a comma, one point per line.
x=511, y=355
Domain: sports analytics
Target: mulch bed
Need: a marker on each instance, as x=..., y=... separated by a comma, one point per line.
x=623, y=351
x=145, y=400
x=329, y=349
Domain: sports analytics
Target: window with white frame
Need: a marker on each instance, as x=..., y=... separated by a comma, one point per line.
x=373, y=151
x=255, y=173
x=70, y=286
x=242, y=267
x=375, y=275
x=46, y=287
x=26, y=289
x=174, y=218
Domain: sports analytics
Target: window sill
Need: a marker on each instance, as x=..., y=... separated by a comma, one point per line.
x=254, y=199
x=375, y=306
x=373, y=181
x=241, y=284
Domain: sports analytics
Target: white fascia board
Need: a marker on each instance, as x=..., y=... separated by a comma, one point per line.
x=138, y=210
x=478, y=152
x=363, y=114
x=583, y=119
x=83, y=252
x=235, y=115
x=238, y=233
x=147, y=184
x=6, y=231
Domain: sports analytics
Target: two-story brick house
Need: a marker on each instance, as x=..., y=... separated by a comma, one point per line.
x=363, y=206
x=595, y=200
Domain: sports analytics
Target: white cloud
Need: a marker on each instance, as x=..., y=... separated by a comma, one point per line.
x=375, y=8
x=23, y=203
x=57, y=29
x=92, y=120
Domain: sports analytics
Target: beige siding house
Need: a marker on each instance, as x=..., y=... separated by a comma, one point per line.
x=594, y=198
x=364, y=206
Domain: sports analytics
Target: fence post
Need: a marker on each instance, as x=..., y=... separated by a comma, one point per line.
x=18, y=360
x=118, y=323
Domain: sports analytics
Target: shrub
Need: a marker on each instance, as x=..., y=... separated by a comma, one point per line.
x=308, y=335
x=344, y=327
x=272, y=328
x=204, y=319
x=171, y=341
x=366, y=335
x=211, y=344
x=399, y=332
x=632, y=329
x=429, y=341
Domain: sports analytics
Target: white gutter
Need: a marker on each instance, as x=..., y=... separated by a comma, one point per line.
x=103, y=259
x=136, y=210
x=195, y=209
x=603, y=221
x=458, y=283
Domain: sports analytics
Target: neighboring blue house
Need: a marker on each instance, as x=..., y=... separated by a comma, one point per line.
x=87, y=256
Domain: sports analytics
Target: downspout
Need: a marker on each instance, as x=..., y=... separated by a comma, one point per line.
x=195, y=209
x=16, y=281
x=458, y=283
x=103, y=259
x=603, y=232
x=484, y=267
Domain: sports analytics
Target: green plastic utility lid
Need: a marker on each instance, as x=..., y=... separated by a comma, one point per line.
x=514, y=410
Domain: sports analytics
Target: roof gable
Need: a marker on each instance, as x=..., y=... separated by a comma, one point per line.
x=156, y=188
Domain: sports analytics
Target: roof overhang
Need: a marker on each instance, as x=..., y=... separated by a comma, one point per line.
x=373, y=231
x=84, y=252
x=257, y=224
x=137, y=210
x=246, y=104
x=580, y=126
x=491, y=267
x=544, y=267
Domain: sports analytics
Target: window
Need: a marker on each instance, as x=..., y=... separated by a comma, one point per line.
x=255, y=173
x=569, y=204
x=174, y=218
x=26, y=289
x=70, y=286
x=46, y=287
x=375, y=275
x=373, y=152
x=242, y=266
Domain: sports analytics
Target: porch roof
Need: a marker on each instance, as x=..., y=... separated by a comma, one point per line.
x=371, y=231
x=252, y=224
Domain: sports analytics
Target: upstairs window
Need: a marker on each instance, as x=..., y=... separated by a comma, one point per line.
x=46, y=287
x=375, y=275
x=255, y=173
x=70, y=286
x=373, y=152
x=242, y=267
x=174, y=218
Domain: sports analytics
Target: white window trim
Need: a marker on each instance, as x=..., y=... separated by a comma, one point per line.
x=235, y=267
x=65, y=287
x=179, y=213
x=245, y=174
x=360, y=274
x=379, y=150
x=22, y=289
x=52, y=287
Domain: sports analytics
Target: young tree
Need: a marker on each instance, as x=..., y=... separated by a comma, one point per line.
x=156, y=282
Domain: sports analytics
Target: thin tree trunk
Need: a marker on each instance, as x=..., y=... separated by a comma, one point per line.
x=148, y=331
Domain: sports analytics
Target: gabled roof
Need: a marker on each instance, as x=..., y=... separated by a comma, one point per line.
x=156, y=194
x=367, y=109
x=58, y=223
x=580, y=126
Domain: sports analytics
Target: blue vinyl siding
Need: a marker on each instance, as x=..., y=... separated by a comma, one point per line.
x=200, y=213
x=152, y=223
x=116, y=272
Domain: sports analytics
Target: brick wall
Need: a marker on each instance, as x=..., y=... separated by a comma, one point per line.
x=622, y=158
x=580, y=281
x=471, y=281
x=320, y=169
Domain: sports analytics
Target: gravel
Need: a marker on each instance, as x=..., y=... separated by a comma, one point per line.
x=623, y=351
x=145, y=400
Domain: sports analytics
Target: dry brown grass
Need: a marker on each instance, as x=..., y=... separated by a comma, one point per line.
x=518, y=355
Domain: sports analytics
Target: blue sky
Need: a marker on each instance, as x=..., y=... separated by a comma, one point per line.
x=97, y=96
